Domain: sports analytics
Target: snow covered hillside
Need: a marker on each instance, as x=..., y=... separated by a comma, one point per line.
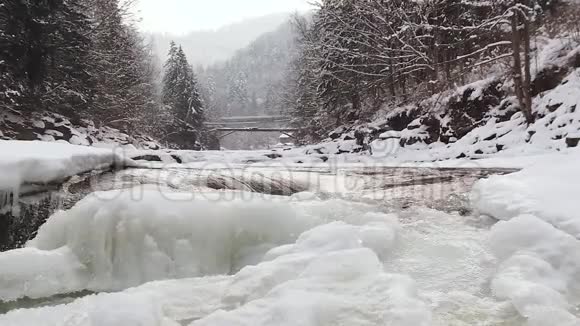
x=52, y=127
x=478, y=120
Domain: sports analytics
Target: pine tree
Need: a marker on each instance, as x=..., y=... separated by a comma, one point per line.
x=80, y=58
x=121, y=67
x=42, y=55
x=180, y=91
x=181, y=96
x=12, y=51
x=67, y=83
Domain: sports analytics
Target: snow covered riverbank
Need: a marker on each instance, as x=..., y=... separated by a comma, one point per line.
x=28, y=166
x=42, y=162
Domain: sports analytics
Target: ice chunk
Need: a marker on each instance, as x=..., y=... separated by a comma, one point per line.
x=130, y=237
x=344, y=287
x=56, y=271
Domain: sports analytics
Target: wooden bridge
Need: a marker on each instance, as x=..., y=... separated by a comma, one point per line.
x=230, y=125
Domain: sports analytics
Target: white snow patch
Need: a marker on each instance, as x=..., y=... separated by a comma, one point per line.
x=38, y=124
x=41, y=162
x=77, y=140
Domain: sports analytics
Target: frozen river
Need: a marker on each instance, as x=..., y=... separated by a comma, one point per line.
x=261, y=246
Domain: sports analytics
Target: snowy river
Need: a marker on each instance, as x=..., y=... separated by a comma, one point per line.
x=261, y=246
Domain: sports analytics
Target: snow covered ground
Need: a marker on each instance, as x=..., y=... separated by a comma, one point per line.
x=474, y=125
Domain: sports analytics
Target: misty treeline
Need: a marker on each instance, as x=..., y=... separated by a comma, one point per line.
x=250, y=83
x=357, y=56
x=86, y=60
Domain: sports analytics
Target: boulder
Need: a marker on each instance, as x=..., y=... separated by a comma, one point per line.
x=468, y=110
x=177, y=159
x=336, y=133
x=273, y=156
x=399, y=122
x=148, y=157
x=547, y=79
x=572, y=141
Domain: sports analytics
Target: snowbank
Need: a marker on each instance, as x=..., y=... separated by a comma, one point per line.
x=346, y=287
x=549, y=190
x=538, y=239
x=154, y=304
x=25, y=162
x=41, y=162
x=539, y=270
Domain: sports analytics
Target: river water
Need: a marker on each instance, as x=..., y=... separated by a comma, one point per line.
x=442, y=243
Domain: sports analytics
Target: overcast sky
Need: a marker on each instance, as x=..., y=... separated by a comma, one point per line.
x=182, y=16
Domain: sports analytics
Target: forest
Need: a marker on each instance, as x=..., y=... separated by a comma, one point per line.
x=85, y=59
x=356, y=57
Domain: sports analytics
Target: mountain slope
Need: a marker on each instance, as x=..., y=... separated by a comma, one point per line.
x=212, y=46
x=250, y=83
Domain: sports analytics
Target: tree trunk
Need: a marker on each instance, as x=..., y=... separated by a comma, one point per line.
x=392, y=86
x=404, y=87
x=517, y=64
x=434, y=82
x=449, y=81
x=462, y=72
x=527, y=72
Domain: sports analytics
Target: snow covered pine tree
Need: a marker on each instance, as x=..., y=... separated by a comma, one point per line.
x=181, y=97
